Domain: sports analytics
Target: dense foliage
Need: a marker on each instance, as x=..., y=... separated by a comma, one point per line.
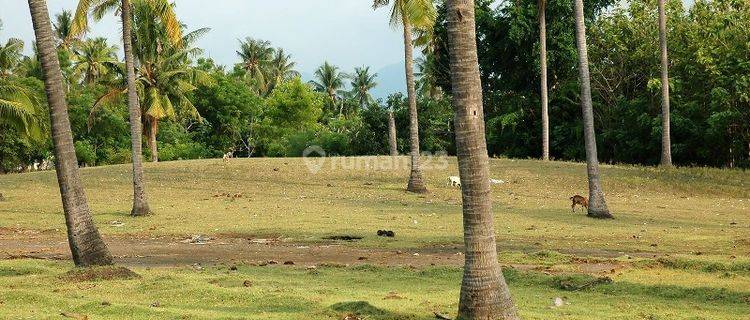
x=709, y=81
x=261, y=107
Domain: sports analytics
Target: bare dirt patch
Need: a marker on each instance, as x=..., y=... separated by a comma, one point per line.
x=234, y=249
x=99, y=273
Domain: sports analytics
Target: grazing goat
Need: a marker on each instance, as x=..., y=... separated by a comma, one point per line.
x=228, y=156
x=454, y=181
x=579, y=200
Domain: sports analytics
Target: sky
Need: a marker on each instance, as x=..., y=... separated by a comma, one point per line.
x=347, y=33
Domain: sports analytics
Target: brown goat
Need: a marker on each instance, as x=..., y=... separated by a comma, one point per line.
x=579, y=200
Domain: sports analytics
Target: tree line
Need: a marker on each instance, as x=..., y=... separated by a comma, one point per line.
x=709, y=118
x=707, y=79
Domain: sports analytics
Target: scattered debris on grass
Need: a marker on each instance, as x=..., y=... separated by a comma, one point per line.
x=349, y=316
x=99, y=273
x=393, y=296
x=155, y=304
x=579, y=282
x=197, y=239
x=558, y=302
x=76, y=316
x=441, y=316
x=265, y=241
x=343, y=238
x=116, y=224
x=247, y=283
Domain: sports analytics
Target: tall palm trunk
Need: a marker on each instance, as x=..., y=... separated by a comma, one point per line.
x=484, y=293
x=543, y=65
x=153, y=130
x=392, y=134
x=140, y=201
x=416, y=184
x=86, y=245
x=666, y=143
x=597, y=204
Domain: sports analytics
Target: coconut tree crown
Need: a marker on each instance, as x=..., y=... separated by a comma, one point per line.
x=419, y=13
x=163, y=10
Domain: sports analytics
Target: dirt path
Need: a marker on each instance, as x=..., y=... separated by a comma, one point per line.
x=177, y=252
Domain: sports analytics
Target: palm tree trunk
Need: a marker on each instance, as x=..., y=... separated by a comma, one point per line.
x=140, y=201
x=86, y=245
x=484, y=292
x=416, y=184
x=543, y=66
x=153, y=130
x=666, y=143
x=597, y=204
x=392, y=134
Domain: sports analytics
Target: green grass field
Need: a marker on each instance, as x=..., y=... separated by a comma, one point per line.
x=679, y=247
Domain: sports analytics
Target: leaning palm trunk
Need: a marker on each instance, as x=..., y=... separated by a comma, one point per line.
x=416, y=184
x=140, y=201
x=484, y=293
x=392, y=134
x=543, y=65
x=597, y=204
x=86, y=245
x=666, y=143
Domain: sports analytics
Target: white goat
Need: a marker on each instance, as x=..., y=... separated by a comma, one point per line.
x=454, y=181
x=228, y=156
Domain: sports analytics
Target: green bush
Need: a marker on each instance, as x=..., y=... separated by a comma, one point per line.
x=85, y=153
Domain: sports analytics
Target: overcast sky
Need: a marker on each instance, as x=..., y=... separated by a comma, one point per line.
x=347, y=33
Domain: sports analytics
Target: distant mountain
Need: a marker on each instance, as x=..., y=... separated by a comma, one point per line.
x=390, y=79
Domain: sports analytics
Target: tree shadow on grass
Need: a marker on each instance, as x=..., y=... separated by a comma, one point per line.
x=365, y=310
x=606, y=286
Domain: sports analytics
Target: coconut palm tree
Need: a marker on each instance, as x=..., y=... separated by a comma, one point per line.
x=62, y=25
x=410, y=14
x=10, y=56
x=666, y=140
x=93, y=59
x=165, y=12
x=393, y=100
x=328, y=79
x=543, y=82
x=281, y=68
x=362, y=82
x=19, y=109
x=86, y=245
x=165, y=77
x=484, y=293
x=597, y=204
x=392, y=144
x=427, y=76
x=256, y=56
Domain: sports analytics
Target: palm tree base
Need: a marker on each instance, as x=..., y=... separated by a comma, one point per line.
x=599, y=214
x=416, y=185
x=92, y=255
x=140, y=210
